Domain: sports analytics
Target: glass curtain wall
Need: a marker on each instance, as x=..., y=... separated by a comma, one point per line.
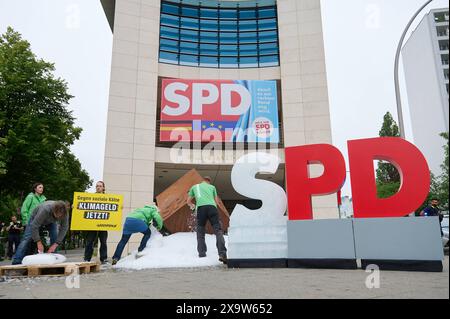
x=234, y=36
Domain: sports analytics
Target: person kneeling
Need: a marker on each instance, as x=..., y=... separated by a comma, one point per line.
x=46, y=214
x=138, y=222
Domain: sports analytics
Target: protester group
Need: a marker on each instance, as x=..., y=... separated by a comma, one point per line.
x=39, y=215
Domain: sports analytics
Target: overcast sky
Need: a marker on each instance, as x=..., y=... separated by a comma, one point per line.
x=360, y=38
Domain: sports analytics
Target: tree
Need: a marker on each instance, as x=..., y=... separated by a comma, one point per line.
x=439, y=184
x=388, y=177
x=2, y=155
x=440, y=188
x=36, y=128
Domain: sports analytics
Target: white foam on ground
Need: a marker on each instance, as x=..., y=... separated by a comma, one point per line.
x=175, y=251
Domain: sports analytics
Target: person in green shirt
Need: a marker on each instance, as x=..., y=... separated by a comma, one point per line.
x=138, y=221
x=32, y=200
x=206, y=202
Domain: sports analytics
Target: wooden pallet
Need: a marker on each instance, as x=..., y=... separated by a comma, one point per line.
x=63, y=269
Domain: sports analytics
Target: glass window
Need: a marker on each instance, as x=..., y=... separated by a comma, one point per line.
x=268, y=51
x=209, y=37
x=208, y=49
x=268, y=48
x=211, y=25
x=210, y=62
x=228, y=14
x=271, y=60
x=166, y=57
x=267, y=24
x=189, y=35
x=189, y=23
x=248, y=62
x=228, y=62
x=224, y=37
x=248, y=49
x=209, y=52
x=264, y=46
x=169, y=8
x=204, y=46
x=171, y=33
x=168, y=45
x=228, y=37
x=228, y=50
x=170, y=20
x=247, y=14
x=247, y=25
x=168, y=42
x=189, y=47
x=228, y=25
x=267, y=13
x=191, y=60
x=189, y=12
x=268, y=36
x=209, y=13
x=248, y=37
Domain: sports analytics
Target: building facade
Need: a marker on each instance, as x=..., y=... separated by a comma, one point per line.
x=280, y=41
x=425, y=61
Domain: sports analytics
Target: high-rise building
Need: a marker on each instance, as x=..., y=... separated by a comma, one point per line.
x=425, y=61
x=170, y=55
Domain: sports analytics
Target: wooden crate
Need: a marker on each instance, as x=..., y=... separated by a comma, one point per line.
x=174, y=210
x=63, y=269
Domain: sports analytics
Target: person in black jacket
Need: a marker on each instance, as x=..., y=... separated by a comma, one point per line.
x=433, y=210
x=14, y=229
x=91, y=235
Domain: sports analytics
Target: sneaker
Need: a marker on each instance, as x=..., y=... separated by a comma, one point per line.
x=201, y=255
x=139, y=254
x=104, y=262
x=114, y=261
x=223, y=259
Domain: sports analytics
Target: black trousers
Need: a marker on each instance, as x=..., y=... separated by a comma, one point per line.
x=91, y=238
x=13, y=240
x=205, y=213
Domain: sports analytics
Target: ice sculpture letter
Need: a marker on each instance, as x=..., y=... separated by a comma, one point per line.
x=273, y=197
x=261, y=234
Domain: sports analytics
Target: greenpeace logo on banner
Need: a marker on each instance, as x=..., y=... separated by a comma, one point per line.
x=219, y=111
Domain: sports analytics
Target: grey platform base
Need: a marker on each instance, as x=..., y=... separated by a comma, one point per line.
x=405, y=265
x=326, y=243
x=257, y=263
x=323, y=263
x=404, y=243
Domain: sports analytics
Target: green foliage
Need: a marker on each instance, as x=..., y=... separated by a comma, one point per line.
x=439, y=185
x=389, y=127
x=36, y=128
x=385, y=190
x=387, y=176
x=2, y=155
x=9, y=205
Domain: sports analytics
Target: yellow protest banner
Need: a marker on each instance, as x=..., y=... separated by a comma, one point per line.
x=96, y=211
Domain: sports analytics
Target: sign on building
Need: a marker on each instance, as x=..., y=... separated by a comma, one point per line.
x=219, y=111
